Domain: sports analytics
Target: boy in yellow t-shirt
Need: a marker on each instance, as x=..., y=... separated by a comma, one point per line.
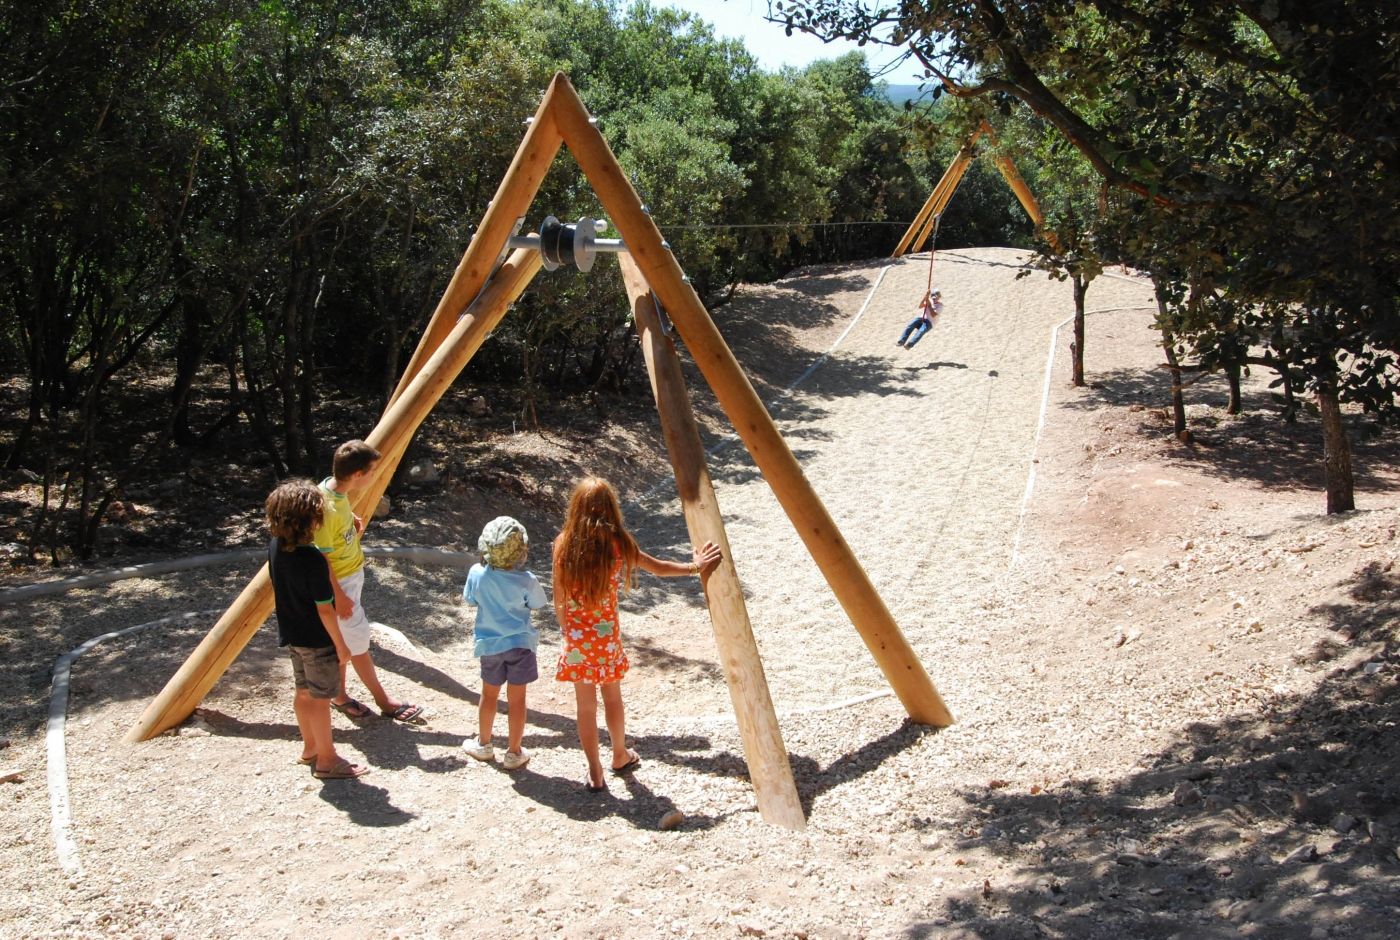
x=338, y=538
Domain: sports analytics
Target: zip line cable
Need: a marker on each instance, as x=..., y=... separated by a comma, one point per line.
x=932, y=250
x=666, y=227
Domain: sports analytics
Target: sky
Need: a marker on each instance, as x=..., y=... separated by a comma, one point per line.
x=743, y=20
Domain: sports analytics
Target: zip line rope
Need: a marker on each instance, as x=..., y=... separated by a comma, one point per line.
x=932, y=250
x=698, y=225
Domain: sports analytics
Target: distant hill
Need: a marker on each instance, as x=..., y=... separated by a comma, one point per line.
x=901, y=93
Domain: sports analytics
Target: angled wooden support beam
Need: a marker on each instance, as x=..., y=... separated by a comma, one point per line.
x=922, y=225
x=943, y=194
x=924, y=212
x=396, y=428
x=1026, y=198
x=528, y=168
x=231, y=633
x=764, y=751
x=1018, y=186
x=833, y=556
x=938, y=199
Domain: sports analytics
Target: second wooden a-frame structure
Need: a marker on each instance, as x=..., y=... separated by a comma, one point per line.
x=475, y=301
x=923, y=225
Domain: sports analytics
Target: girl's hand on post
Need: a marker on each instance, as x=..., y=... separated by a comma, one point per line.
x=705, y=558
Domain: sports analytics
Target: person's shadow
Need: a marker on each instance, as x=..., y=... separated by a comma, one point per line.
x=939, y=365
x=643, y=807
x=364, y=803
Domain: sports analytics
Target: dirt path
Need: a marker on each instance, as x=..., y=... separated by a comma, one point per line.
x=1181, y=647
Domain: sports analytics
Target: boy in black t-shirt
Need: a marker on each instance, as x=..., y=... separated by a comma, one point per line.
x=306, y=624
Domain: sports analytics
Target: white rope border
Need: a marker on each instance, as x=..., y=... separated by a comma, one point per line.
x=60, y=807
x=1040, y=422
x=419, y=553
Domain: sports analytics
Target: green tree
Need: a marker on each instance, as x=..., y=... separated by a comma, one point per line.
x=1264, y=132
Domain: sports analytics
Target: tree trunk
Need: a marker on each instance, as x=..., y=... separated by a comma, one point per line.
x=1336, y=451
x=1232, y=376
x=1178, y=399
x=257, y=410
x=306, y=386
x=189, y=356
x=288, y=383
x=1290, y=402
x=1081, y=286
x=1169, y=347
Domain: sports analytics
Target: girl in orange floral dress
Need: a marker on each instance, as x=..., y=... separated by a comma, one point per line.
x=594, y=557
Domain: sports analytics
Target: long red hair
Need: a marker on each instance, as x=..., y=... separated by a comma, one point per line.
x=593, y=539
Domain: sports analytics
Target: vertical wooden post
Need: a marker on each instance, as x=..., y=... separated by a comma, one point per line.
x=184, y=691
x=769, y=770
x=838, y=564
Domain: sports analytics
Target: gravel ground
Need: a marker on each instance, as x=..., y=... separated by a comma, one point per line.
x=1173, y=679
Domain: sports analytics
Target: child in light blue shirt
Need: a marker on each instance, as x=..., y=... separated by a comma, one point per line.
x=503, y=593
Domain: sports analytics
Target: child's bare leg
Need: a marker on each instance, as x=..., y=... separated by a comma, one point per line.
x=617, y=723
x=364, y=668
x=314, y=720
x=343, y=695
x=515, y=699
x=486, y=712
x=301, y=705
x=588, y=730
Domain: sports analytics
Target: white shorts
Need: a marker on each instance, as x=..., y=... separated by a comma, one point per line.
x=355, y=630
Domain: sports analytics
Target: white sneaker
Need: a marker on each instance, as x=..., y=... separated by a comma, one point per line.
x=475, y=748
x=514, y=761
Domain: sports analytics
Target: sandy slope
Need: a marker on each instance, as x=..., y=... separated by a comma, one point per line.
x=1166, y=625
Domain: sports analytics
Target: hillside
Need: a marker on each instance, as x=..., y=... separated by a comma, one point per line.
x=1173, y=678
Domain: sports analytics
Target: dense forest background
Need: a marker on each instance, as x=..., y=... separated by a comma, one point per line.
x=271, y=196
x=248, y=210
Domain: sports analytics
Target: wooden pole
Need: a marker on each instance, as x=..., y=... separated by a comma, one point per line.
x=764, y=752
x=187, y=688
x=402, y=418
x=919, y=219
x=949, y=185
x=1018, y=186
x=746, y=413
x=1026, y=198
x=938, y=199
x=528, y=168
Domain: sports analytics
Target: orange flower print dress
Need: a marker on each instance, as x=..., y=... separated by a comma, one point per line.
x=592, y=645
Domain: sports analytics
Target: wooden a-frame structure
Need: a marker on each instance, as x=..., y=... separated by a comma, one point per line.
x=919, y=230
x=475, y=301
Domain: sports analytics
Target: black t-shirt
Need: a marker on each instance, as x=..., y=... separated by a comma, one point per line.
x=301, y=579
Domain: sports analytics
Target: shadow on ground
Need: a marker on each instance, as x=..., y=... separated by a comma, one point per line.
x=1283, y=824
x=1256, y=445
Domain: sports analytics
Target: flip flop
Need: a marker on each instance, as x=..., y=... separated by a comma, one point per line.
x=352, y=708
x=600, y=788
x=407, y=713
x=341, y=771
x=628, y=767
x=307, y=761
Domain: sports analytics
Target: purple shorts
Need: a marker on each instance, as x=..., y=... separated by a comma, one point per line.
x=516, y=667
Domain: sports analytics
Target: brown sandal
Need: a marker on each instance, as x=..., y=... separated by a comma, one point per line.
x=341, y=771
